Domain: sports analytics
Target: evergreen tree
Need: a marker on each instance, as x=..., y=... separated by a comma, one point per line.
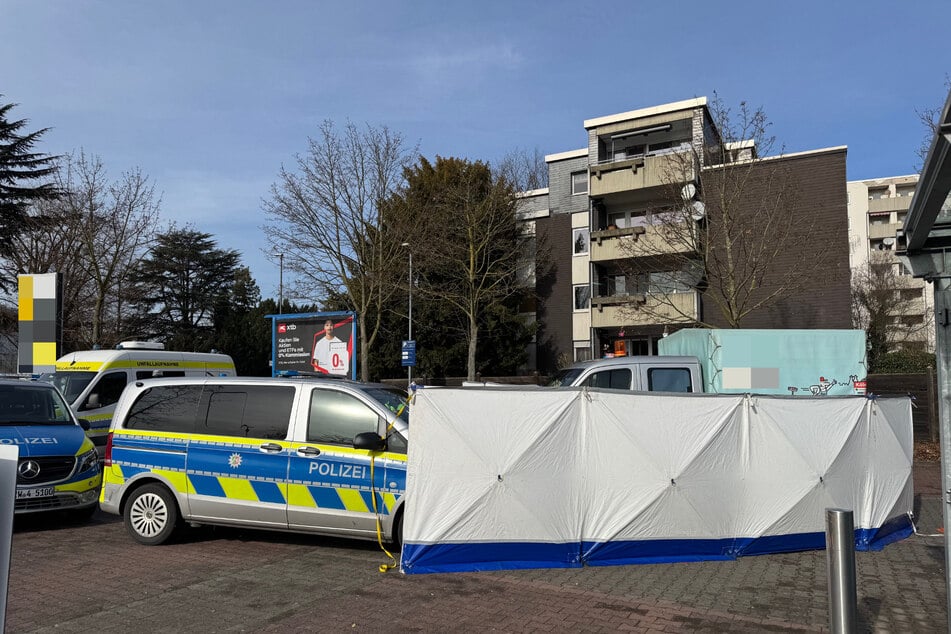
x=20, y=169
x=181, y=284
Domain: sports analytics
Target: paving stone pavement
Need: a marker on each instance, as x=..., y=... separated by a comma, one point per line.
x=83, y=577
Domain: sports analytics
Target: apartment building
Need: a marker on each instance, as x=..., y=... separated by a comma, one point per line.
x=877, y=210
x=605, y=197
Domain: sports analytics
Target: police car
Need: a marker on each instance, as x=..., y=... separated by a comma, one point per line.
x=58, y=468
x=303, y=455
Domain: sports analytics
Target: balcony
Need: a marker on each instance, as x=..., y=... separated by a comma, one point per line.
x=639, y=172
x=640, y=241
x=915, y=306
x=896, y=203
x=628, y=310
x=876, y=232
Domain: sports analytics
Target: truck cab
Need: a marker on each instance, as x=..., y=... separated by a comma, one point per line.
x=637, y=373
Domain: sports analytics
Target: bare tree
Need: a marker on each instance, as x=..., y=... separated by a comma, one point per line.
x=929, y=120
x=724, y=227
x=523, y=169
x=117, y=223
x=51, y=243
x=888, y=306
x=326, y=220
x=95, y=233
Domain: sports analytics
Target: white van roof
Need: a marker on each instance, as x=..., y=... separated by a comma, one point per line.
x=634, y=359
x=96, y=360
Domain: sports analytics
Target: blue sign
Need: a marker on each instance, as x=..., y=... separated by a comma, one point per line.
x=409, y=353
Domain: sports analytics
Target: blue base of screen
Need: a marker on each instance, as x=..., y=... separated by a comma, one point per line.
x=484, y=556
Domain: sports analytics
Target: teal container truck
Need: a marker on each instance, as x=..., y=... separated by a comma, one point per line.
x=791, y=362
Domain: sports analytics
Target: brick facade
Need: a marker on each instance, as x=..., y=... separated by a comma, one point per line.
x=553, y=285
x=821, y=207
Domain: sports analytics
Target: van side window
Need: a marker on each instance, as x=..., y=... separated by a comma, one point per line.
x=618, y=379
x=107, y=389
x=668, y=379
x=151, y=374
x=247, y=411
x=165, y=408
x=336, y=417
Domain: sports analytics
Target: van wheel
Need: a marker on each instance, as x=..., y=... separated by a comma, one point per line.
x=151, y=514
x=398, y=532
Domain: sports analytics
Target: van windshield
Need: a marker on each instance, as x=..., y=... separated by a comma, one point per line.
x=32, y=405
x=71, y=384
x=392, y=399
x=565, y=377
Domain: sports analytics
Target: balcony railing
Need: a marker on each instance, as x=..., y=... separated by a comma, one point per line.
x=640, y=241
x=643, y=310
x=883, y=230
x=639, y=172
x=895, y=203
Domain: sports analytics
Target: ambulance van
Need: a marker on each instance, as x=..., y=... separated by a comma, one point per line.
x=93, y=380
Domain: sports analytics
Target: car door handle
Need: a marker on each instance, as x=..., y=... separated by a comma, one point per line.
x=271, y=447
x=308, y=451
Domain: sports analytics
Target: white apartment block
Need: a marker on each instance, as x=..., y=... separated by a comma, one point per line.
x=877, y=209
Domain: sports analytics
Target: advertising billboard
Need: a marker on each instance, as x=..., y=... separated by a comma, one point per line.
x=314, y=343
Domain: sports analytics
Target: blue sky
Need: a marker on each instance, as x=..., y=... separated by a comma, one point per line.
x=210, y=98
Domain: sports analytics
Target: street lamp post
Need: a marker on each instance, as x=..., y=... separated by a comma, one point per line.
x=409, y=335
x=280, y=285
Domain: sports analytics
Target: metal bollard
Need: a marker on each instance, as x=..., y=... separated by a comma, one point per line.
x=840, y=561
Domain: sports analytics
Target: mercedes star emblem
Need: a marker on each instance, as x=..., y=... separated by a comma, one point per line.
x=29, y=469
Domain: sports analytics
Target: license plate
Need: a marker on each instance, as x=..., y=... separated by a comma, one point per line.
x=42, y=492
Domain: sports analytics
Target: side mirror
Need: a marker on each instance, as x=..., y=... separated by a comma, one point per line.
x=369, y=440
x=84, y=424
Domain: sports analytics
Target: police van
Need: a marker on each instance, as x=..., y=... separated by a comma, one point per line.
x=57, y=469
x=92, y=380
x=305, y=455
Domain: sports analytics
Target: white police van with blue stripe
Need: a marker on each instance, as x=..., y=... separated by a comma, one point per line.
x=320, y=456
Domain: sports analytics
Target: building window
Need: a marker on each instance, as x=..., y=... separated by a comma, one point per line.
x=579, y=182
x=582, y=353
x=582, y=296
x=580, y=239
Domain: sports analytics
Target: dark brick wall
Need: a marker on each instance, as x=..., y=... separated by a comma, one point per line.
x=820, y=209
x=560, y=198
x=553, y=285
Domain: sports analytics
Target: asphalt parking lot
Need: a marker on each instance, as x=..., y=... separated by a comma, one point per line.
x=92, y=577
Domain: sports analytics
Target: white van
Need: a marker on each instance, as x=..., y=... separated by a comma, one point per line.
x=92, y=380
x=638, y=373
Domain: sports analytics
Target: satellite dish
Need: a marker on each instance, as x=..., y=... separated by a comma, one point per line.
x=888, y=242
x=698, y=210
x=689, y=191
